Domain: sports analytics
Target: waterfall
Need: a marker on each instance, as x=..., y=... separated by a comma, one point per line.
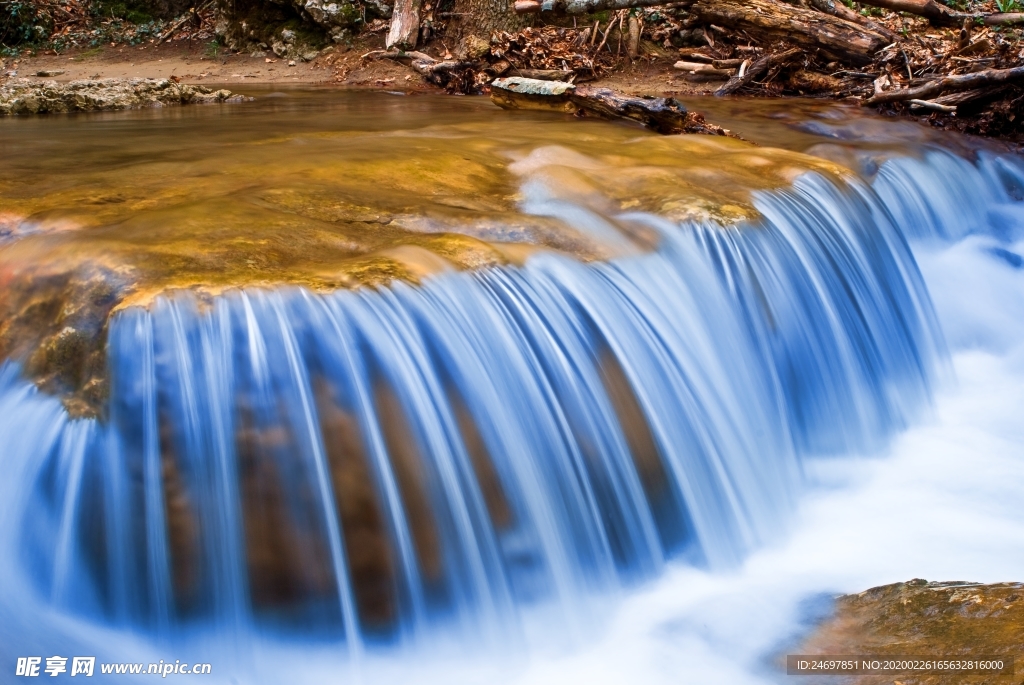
x=367, y=466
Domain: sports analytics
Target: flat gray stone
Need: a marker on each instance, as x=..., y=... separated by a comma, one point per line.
x=532, y=86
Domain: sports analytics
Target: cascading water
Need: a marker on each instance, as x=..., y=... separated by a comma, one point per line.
x=377, y=467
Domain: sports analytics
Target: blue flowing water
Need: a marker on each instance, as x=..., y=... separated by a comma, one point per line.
x=368, y=469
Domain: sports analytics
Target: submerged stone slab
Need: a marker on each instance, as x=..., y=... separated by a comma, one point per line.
x=24, y=97
x=532, y=86
x=529, y=93
x=664, y=115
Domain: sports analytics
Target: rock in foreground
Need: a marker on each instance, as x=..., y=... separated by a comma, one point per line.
x=957, y=620
x=24, y=97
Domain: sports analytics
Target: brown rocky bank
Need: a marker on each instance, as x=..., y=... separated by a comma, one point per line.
x=25, y=97
x=921, y=618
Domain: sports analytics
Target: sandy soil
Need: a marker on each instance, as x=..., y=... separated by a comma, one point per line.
x=190, y=65
x=340, y=65
x=197, y=64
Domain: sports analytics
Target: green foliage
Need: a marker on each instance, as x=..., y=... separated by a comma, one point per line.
x=24, y=23
x=21, y=23
x=213, y=49
x=1007, y=5
x=132, y=11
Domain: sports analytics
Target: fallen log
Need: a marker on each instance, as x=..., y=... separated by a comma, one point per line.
x=1002, y=18
x=936, y=13
x=405, y=25
x=769, y=21
x=979, y=79
x=583, y=6
x=756, y=69
x=664, y=115
x=837, y=9
x=931, y=10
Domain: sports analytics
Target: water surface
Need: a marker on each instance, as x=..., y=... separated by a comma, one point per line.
x=386, y=387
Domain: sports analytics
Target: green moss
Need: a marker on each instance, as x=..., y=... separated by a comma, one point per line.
x=21, y=23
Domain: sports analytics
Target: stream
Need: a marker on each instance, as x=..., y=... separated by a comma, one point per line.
x=368, y=387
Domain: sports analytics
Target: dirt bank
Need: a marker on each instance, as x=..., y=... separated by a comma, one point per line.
x=340, y=65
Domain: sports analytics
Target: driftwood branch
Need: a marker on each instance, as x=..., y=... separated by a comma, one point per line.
x=810, y=29
x=755, y=70
x=979, y=79
x=703, y=69
x=932, y=106
x=964, y=97
x=181, y=22
x=454, y=75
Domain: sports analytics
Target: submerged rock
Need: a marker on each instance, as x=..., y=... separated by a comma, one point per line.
x=957, y=620
x=337, y=209
x=24, y=97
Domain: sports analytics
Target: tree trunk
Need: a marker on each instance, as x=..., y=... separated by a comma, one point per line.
x=633, y=49
x=481, y=18
x=836, y=38
x=405, y=25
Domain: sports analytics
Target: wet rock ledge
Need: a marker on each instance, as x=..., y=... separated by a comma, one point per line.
x=958, y=620
x=25, y=97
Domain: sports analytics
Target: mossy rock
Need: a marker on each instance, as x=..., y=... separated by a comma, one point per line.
x=958, y=620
